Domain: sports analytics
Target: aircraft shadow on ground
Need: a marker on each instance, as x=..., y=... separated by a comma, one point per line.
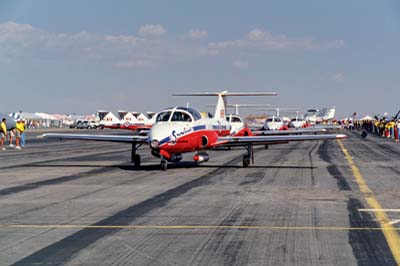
x=182, y=165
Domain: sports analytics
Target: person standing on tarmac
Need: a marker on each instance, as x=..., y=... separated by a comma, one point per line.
x=23, y=134
x=398, y=130
x=20, y=128
x=11, y=135
x=3, y=133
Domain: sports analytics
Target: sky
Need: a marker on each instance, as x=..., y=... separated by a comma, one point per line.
x=79, y=56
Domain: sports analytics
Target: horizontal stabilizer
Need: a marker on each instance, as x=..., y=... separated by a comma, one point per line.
x=225, y=93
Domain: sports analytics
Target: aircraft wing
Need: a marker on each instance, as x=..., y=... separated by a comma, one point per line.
x=110, y=138
x=262, y=140
x=328, y=126
x=288, y=132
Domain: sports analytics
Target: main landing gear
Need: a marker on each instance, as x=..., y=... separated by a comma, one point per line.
x=135, y=158
x=164, y=164
x=249, y=157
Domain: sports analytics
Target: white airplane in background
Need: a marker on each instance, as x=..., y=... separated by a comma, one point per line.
x=10, y=121
x=276, y=122
x=181, y=130
x=136, y=121
x=238, y=125
x=108, y=119
x=298, y=121
x=314, y=116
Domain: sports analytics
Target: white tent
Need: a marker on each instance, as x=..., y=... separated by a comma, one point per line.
x=367, y=118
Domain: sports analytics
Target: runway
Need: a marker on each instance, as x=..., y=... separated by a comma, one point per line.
x=310, y=203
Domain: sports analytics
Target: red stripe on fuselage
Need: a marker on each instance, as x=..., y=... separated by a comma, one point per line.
x=243, y=132
x=193, y=141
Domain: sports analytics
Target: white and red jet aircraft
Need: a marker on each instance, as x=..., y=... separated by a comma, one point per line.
x=181, y=130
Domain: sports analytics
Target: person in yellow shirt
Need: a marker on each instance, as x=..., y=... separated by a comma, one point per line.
x=20, y=128
x=3, y=133
x=23, y=134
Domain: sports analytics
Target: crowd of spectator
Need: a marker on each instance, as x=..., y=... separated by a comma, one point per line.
x=387, y=128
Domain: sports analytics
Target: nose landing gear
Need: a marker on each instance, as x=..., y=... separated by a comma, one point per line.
x=249, y=157
x=246, y=161
x=135, y=158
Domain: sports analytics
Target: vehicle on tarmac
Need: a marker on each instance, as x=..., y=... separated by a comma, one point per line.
x=179, y=130
x=85, y=124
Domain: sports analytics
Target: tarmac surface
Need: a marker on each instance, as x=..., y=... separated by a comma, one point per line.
x=309, y=203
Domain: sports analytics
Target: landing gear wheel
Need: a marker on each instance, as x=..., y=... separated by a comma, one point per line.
x=266, y=146
x=246, y=161
x=164, y=165
x=136, y=160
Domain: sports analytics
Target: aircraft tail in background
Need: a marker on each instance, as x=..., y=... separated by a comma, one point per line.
x=220, y=108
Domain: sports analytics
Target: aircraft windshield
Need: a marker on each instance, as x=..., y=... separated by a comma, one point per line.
x=196, y=115
x=297, y=119
x=163, y=117
x=235, y=119
x=181, y=117
x=275, y=119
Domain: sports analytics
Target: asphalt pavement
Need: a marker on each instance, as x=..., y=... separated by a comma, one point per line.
x=308, y=203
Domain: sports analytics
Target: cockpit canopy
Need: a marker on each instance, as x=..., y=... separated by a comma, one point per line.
x=178, y=114
x=234, y=119
x=274, y=119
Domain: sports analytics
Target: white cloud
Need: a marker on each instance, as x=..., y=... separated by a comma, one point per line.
x=338, y=77
x=132, y=51
x=133, y=64
x=335, y=44
x=227, y=44
x=240, y=64
x=155, y=30
x=124, y=39
x=258, y=35
x=13, y=32
x=258, y=40
x=197, y=34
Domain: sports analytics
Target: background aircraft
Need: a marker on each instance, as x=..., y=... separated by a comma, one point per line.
x=108, y=119
x=298, y=121
x=314, y=116
x=275, y=122
x=10, y=121
x=238, y=124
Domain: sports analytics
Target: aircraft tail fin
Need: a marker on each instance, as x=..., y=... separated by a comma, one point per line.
x=122, y=114
x=329, y=113
x=220, y=108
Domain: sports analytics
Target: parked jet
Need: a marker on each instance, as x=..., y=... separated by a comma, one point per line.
x=136, y=121
x=238, y=125
x=298, y=121
x=108, y=119
x=275, y=122
x=181, y=130
x=314, y=116
x=10, y=121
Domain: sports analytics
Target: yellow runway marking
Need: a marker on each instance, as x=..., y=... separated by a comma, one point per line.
x=379, y=210
x=389, y=231
x=194, y=227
